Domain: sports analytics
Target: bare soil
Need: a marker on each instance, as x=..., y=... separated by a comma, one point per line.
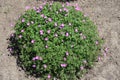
x=105, y=14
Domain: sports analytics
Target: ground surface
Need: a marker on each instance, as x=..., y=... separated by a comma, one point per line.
x=105, y=14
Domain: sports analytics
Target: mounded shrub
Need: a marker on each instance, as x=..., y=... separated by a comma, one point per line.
x=55, y=41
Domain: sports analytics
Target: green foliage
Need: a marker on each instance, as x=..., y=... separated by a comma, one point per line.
x=55, y=41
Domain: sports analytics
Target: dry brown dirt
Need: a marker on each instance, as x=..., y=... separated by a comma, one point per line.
x=105, y=14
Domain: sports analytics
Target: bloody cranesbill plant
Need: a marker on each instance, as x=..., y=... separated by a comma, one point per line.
x=55, y=41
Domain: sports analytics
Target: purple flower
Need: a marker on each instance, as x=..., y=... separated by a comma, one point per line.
x=41, y=32
x=49, y=19
x=23, y=20
x=61, y=26
x=20, y=36
x=63, y=65
x=10, y=49
x=48, y=31
x=37, y=57
x=49, y=76
x=34, y=66
x=45, y=66
x=38, y=11
x=32, y=41
x=41, y=7
x=67, y=34
x=67, y=53
x=22, y=30
x=46, y=39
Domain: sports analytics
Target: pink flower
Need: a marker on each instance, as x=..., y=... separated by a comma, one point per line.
x=46, y=39
x=22, y=30
x=64, y=59
x=41, y=32
x=60, y=10
x=106, y=49
x=12, y=35
x=81, y=34
x=10, y=49
x=33, y=59
x=49, y=19
x=61, y=26
x=63, y=65
x=48, y=31
x=55, y=24
x=78, y=9
x=67, y=34
x=104, y=53
x=28, y=24
x=32, y=22
x=67, y=3
x=42, y=15
x=40, y=58
x=45, y=66
x=49, y=76
x=34, y=66
x=45, y=17
x=46, y=46
x=27, y=7
x=37, y=57
x=84, y=61
x=65, y=9
x=23, y=20
x=70, y=24
x=76, y=30
x=67, y=53
x=34, y=8
x=32, y=41
x=11, y=25
x=81, y=68
x=20, y=36
x=96, y=42
x=63, y=5
x=56, y=35
x=99, y=58
x=41, y=7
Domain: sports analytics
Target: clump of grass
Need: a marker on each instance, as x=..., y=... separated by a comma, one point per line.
x=55, y=41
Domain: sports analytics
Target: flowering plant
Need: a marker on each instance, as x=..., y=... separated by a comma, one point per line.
x=55, y=41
